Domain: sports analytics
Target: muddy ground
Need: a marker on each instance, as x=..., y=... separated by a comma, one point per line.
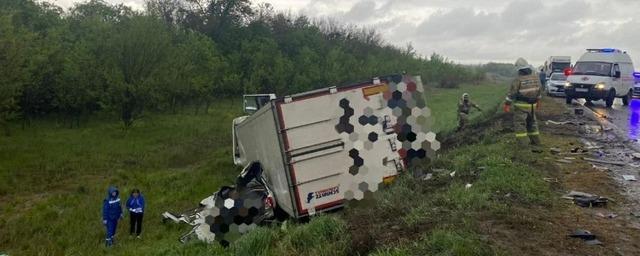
x=543, y=230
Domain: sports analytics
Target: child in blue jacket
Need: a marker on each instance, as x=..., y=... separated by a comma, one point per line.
x=135, y=204
x=111, y=213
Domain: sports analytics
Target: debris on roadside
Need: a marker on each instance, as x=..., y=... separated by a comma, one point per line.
x=586, y=200
x=578, y=111
x=607, y=216
x=428, y=176
x=579, y=150
x=468, y=186
x=586, y=236
x=635, y=165
x=548, y=122
x=551, y=180
x=452, y=174
x=629, y=177
x=600, y=168
x=564, y=161
x=636, y=155
x=604, y=161
x=555, y=151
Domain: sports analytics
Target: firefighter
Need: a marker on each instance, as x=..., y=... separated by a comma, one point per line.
x=524, y=95
x=464, y=108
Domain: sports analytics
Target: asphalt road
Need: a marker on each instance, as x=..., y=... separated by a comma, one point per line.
x=626, y=118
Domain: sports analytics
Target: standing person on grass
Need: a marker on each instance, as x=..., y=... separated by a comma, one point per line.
x=111, y=213
x=135, y=203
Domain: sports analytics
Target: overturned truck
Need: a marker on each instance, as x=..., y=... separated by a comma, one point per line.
x=311, y=152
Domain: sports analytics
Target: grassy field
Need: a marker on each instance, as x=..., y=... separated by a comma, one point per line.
x=53, y=180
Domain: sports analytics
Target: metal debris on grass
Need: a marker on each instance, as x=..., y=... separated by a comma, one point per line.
x=629, y=177
x=586, y=200
x=604, y=161
x=586, y=236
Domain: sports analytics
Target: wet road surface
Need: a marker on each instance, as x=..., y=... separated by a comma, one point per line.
x=617, y=143
x=625, y=118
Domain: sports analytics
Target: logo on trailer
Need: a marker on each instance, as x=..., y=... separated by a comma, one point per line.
x=322, y=193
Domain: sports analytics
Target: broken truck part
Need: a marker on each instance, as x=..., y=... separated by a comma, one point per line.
x=321, y=148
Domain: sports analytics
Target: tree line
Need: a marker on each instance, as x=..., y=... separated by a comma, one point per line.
x=98, y=57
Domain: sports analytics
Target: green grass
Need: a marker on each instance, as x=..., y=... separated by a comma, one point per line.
x=53, y=180
x=444, y=103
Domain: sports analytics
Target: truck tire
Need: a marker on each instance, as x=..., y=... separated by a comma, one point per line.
x=627, y=98
x=610, y=98
x=568, y=100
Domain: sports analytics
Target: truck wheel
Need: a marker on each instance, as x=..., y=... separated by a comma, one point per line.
x=609, y=100
x=568, y=100
x=627, y=98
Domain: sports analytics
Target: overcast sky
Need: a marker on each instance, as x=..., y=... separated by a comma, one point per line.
x=475, y=31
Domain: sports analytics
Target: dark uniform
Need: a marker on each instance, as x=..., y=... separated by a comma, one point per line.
x=524, y=94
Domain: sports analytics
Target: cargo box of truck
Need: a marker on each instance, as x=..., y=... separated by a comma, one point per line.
x=321, y=148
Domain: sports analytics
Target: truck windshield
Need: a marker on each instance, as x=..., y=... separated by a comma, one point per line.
x=592, y=68
x=559, y=66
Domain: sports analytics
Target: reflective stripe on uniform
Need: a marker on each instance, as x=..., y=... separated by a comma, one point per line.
x=525, y=105
x=520, y=135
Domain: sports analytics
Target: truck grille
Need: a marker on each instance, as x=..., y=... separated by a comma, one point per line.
x=582, y=86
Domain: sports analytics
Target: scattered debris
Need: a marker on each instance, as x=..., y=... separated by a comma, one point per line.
x=468, y=186
x=551, y=180
x=569, y=158
x=579, y=150
x=585, y=235
x=564, y=161
x=555, y=151
x=537, y=151
x=606, y=216
x=578, y=111
x=586, y=200
x=636, y=155
x=635, y=165
x=635, y=214
x=452, y=174
x=548, y=122
x=604, y=161
x=428, y=176
x=629, y=177
x=600, y=168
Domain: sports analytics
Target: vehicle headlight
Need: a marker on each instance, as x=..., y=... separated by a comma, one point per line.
x=567, y=84
x=600, y=86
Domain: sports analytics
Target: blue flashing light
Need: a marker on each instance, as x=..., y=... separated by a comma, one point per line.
x=608, y=50
x=636, y=75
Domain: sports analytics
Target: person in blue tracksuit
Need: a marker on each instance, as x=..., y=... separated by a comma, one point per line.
x=135, y=204
x=111, y=213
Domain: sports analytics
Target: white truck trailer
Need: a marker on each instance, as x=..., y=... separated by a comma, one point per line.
x=323, y=147
x=311, y=152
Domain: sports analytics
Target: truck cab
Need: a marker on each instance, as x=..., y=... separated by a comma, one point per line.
x=556, y=64
x=601, y=74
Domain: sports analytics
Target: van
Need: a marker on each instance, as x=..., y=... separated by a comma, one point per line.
x=601, y=74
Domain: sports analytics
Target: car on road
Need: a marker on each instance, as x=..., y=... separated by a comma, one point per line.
x=601, y=74
x=555, y=85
